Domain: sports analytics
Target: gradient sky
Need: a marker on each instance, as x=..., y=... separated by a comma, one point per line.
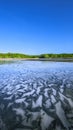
x=36, y=26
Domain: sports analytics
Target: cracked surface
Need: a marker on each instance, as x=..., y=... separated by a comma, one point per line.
x=36, y=96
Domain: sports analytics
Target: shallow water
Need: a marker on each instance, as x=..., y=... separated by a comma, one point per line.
x=36, y=95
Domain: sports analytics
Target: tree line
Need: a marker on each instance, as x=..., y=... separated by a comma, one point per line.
x=18, y=55
x=63, y=55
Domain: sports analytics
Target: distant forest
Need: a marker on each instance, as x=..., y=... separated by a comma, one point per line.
x=18, y=55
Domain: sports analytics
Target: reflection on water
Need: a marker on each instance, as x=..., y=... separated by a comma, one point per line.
x=36, y=96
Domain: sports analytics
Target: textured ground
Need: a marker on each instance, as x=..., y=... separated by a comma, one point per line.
x=36, y=96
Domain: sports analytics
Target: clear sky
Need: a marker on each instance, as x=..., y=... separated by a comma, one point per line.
x=36, y=26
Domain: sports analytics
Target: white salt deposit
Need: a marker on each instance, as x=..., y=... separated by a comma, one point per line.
x=20, y=100
x=8, y=98
x=38, y=102
x=45, y=120
x=47, y=103
x=9, y=104
x=19, y=111
x=70, y=102
x=38, y=90
x=46, y=92
x=35, y=115
x=62, y=97
x=54, y=91
x=61, y=115
x=53, y=100
x=28, y=93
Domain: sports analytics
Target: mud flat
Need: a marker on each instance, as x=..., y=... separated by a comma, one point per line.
x=36, y=96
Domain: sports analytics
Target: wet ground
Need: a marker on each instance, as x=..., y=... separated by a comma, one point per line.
x=36, y=95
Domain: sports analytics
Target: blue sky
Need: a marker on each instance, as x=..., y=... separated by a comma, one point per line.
x=36, y=26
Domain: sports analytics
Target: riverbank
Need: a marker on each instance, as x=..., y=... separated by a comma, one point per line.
x=39, y=59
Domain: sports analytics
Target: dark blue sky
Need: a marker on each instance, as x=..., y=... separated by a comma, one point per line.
x=36, y=26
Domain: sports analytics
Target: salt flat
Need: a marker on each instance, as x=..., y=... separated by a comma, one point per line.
x=36, y=95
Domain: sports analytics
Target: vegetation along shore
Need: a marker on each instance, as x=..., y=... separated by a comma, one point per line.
x=47, y=57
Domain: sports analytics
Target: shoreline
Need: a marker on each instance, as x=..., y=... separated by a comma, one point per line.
x=38, y=59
